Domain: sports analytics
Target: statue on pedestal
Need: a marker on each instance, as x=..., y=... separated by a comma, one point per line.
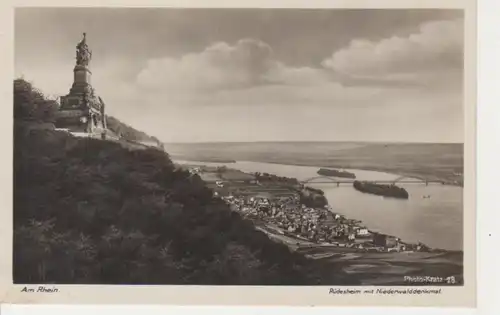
x=81, y=110
x=83, y=53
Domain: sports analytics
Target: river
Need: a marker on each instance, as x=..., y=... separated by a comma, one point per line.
x=436, y=221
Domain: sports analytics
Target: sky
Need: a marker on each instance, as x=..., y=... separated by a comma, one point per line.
x=231, y=75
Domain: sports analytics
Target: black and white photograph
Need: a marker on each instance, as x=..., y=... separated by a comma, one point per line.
x=239, y=146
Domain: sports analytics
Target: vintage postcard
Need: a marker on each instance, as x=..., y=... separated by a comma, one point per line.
x=294, y=154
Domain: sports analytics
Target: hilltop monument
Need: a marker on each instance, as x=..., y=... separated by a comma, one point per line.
x=82, y=111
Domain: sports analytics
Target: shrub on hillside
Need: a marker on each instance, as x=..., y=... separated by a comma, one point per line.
x=31, y=104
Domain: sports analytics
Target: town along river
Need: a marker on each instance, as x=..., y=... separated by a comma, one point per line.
x=435, y=221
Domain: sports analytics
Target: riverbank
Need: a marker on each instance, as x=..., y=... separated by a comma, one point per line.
x=201, y=159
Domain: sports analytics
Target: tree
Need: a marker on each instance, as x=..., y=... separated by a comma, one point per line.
x=30, y=104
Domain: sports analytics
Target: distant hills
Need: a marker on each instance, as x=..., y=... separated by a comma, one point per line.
x=431, y=161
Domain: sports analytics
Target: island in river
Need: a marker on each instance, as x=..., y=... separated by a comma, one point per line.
x=335, y=173
x=381, y=190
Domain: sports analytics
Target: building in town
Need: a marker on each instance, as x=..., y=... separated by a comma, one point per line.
x=362, y=232
x=384, y=240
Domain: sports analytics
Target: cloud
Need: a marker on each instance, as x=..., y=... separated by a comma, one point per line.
x=222, y=66
x=219, y=66
x=437, y=46
x=419, y=60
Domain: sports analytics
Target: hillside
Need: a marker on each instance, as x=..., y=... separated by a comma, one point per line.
x=127, y=132
x=88, y=211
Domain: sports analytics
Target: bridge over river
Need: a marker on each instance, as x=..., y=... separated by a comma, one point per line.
x=338, y=181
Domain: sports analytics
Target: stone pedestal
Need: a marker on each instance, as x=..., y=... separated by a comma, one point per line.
x=81, y=80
